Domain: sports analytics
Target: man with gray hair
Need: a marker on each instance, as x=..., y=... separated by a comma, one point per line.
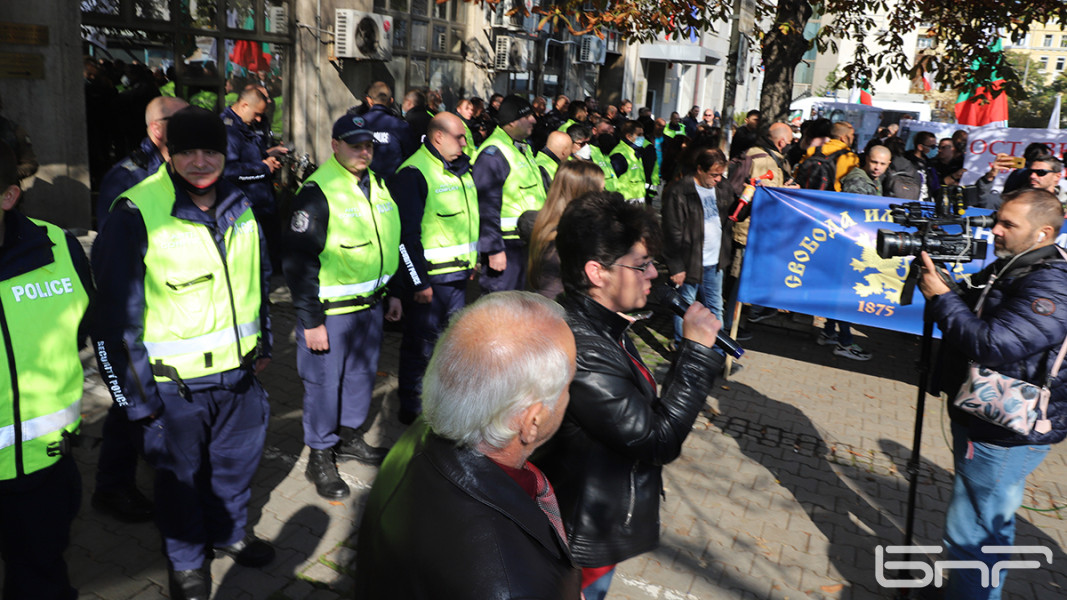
x=456, y=511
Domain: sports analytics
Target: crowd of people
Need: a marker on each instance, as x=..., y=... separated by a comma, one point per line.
x=536, y=433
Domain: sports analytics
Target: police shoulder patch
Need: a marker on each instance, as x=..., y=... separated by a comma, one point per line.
x=1043, y=306
x=491, y=150
x=300, y=222
x=227, y=121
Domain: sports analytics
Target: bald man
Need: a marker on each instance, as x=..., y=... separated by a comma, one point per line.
x=867, y=179
x=143, y=161
x=439, y=225
x=557, y=149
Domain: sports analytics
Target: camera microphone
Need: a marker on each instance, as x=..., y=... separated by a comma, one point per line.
x=667, y=296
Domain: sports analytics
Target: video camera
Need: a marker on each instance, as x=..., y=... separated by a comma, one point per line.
x=930, y=218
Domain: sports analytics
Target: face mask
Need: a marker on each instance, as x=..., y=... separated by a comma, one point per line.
x=192, y=189
x=585, y=152
x=932, y=153
x=639, y=141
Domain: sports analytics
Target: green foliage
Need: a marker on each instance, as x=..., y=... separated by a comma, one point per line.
x=1034, y=108
x=833, y=83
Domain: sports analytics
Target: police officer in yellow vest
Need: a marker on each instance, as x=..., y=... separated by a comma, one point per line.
x=439, y=246
x=44, y=293
x=341, y=250
x=626, y=162
x=557, y=149
x=181, y=330
x=509, y=184
x=465, y=110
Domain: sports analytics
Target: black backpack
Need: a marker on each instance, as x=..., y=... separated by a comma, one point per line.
x=818, y=171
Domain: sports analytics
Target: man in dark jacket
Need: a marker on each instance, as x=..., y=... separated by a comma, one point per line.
x=457, y=511
x=1022, y=325
x=606, y=460
x=697, y=235
x=393, y=139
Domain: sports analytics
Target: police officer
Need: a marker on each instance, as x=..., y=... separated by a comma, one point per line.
x=626, y=162
x=182, y=328
x=557, y=149
x=601, y=145
x=116, y=490
x=143, y=161
x=439, y=241
x=576, y=113
x=250, y=165
x=509, y=184
x=44, y=293
x=342, y=248
x=393, y=138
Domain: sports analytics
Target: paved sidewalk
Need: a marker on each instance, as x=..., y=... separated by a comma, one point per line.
x=791, y=477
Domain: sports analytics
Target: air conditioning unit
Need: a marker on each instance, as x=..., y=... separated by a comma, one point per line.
x=279, y=18
x=592, y=50
x=362, y=35
x=503, y=50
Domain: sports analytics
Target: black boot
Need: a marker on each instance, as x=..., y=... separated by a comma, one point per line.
x=126, y=504
x=194, y=584
x=360, y=450
x=322, y=471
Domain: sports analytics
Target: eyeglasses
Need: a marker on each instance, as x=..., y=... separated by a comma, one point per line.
x=642, y=268
x=1041, y=172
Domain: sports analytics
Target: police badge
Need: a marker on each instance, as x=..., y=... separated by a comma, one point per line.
x=300, y=221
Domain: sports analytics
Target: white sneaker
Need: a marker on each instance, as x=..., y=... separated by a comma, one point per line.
x=854, y=352
x=826, y=339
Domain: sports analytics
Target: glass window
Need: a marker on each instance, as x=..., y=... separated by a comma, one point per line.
x=155, y=10
x=1059, y=64
x=241, y=15
x=420, y=7
x=400, y=33
x=417, y=74
x=398, y=5
x=457, y=42
x=447, y=78
x=445, y=11
x=1063, y=41
x=379, y=5
x=100, y=7
x=1044, y=62
x=1047, y=41
x=198, y=13
x=276, y=19
x=440, y=38
x=419, y=32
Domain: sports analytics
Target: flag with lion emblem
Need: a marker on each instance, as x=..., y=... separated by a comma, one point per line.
x=813, y=252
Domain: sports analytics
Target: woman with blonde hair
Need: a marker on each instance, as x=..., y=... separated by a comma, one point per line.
x=574, y=178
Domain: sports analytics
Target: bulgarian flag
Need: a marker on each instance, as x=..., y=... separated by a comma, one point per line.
x=979, y=106
x=862, y=94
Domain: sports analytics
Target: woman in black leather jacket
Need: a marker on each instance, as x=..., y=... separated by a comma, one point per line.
x=606, y=460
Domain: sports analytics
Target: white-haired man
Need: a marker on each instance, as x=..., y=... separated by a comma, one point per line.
x=456, y=511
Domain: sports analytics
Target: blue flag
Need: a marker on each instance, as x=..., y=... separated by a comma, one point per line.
x=813, y=252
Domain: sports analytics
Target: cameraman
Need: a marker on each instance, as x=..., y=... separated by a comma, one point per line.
x=1022, y=326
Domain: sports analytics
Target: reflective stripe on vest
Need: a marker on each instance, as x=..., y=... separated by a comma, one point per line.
x=41, y=380
x=439, y=254
x=366, y=288
x=523, y=189
x=203, y=343
x=450, y=219
x=362, y=249
x=195, y=296
x=631, y=184
x=42, y=425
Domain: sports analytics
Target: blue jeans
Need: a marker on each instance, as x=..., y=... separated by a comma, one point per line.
x=987, y=490
x=599, y=588
x=844, y=334
x=709, y=291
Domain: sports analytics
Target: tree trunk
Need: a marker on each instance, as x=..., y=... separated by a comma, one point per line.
x=782, y=52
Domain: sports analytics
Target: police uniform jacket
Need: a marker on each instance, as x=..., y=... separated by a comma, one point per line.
x=118, y=260
x=305, y=239
x=446, y=522
x=491, y=171
x=393, y=140
x=1023, y=325
x=28, y=247
x=410, y=190
x=607, y=458
x=126, y=173
x=244, y=162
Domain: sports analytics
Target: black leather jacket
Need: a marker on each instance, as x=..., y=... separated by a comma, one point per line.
x=606, y=459
x=446, y=522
